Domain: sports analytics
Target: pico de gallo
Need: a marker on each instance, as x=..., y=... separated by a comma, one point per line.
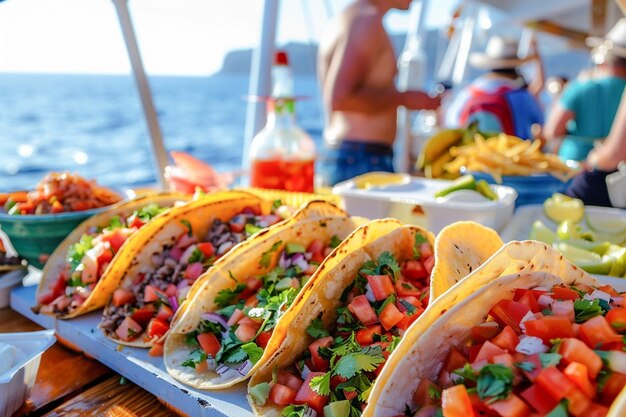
x=59, y=193
x=143, y=309
x=553, y=352
x=88, y=258
x=232, y=339
x=335, y=376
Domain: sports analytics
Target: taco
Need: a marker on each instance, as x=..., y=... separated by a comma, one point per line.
x=547, y=340
x=345, y=323
x=228, y=329
x=165, y=269
x=73, y=280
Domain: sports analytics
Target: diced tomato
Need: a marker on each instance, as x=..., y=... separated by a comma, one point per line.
x=150, y=293
x=122, y=296
x=206, y=248
x=597, y=332
x=136, y=222
x=263, y=338
x=613, y=386
x=316, y=249
x=529, y=300
x=171, y=290
x=390, y=316
x=539, y=399
x=235, y=317
x=562, y=293
x=128, y=330
x=564, y=308
x=429, y=264
x=425, y=250
x=422, y=395
x=282, y=395
x=509, y=313
x=366, y=336
x=482, y=333
x=350, y=395
x=105, y=256
x=408, y=319
x=574, y=350
x=406, y=289
x=609, y=290
x=46, y=297
x=252, y=301
x=578, y=374
x=156, y=349
x=519, y=293
x=116, y=239
x=513, y=406
x=361, y=308
x=59, y=285
x=254, y=283
x=157, y=328
x=165, y=313
x=289, y=380
x=617, y=319
x=413, y=270
x=507, y=339
x=90, y=268
x=335, y=380
x=535, y=361
x=319, y=363
x=245, y=332
x=193, y=271
x=549, y=327
x=554, y=383
x=143, y=315
x=488, y=351
x=455, y=402
x=209, y=343
x=454, y=360
x=577, y=402
x=381, y=286
x=596, y=410
x=237, y=224
x=307, y=396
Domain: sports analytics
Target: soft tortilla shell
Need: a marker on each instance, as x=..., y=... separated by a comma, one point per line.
x=460, y=248
x=241, y=265
x=110, y=278
x=448, y=320
x=322, y=297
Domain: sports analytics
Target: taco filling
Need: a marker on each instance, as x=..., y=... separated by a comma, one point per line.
x=335, y=376
x=231, y=340
x=550, y=351
x=87, y=259
x=144, y=308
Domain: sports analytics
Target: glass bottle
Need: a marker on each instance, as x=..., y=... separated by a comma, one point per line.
x=282, y=154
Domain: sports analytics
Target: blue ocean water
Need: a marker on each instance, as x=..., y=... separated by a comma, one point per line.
x=93, y=125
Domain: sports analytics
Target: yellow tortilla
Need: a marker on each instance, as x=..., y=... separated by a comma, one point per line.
x=110, y=278
x=240, y=265
x=320, y=297
x=448, y=322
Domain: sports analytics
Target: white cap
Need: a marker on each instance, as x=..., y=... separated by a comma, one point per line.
x=500, y=53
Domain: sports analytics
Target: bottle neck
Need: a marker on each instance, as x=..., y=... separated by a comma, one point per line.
x=281, y=113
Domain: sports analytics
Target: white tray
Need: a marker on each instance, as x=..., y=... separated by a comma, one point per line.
x=522, y=221
x=135, y=364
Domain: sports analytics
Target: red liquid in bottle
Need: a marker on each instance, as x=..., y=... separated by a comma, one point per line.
x=283, y=175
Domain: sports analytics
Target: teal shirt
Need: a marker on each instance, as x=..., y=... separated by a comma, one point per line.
x=594, y=103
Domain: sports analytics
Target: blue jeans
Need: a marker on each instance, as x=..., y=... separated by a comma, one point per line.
x=590, y=187
x=353, y=158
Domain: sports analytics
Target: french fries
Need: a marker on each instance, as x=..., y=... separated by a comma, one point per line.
x=506, y=155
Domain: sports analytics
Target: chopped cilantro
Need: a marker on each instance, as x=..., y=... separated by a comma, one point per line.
x=335, y=241
x=316, y=329
x=196, y=256
x=276, y=204
x=560, y=410
x=295, y=411
x=148, y=212
x=266, y=256
x=365, y=361
x=195, y=358
x=115, y=223
x=466, y=372
x=190, y=339
x=254, y=352
x=547, y=312
x=494, y=382
x=187, y=225
x=389, y=300
x=321, y=384
x=410, y=308
x=549, y=359
x=587, y=309
x=419, y=239
x=76, y=251
x=395, y=341
x=226, y=296
x=252, y=228
x=434, y=393
x=526, y=366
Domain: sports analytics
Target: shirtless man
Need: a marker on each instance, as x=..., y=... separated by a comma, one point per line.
x=356, y=70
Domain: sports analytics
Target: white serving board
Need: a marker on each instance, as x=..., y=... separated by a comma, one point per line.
x=135, y=364
x=521, y=223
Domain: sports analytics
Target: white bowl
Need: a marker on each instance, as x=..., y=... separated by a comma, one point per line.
x=413, y=201
x=16, y=383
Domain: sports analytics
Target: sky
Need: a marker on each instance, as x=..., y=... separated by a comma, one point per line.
x=176, y=37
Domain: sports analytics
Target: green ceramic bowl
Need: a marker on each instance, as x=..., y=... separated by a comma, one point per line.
x=34, y=237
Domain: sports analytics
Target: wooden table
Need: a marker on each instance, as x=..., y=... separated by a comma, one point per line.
x=69, y=384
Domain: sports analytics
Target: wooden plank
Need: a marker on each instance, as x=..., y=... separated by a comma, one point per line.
x=61, y=372
x=112, y=399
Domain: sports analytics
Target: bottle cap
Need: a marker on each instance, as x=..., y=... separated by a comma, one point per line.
x=281, y=58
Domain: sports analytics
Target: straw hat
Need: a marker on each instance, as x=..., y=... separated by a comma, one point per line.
x=500, y=53
x=614, y=41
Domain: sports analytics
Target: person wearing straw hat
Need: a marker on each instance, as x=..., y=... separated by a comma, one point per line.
x=500, y=100
x=587, y=107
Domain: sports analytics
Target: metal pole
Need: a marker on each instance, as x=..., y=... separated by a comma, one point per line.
x=465, y=45
x=158, y=150
x=260, y=77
